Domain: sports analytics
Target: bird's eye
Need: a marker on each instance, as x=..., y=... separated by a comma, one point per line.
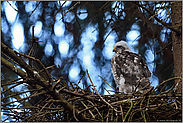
x=120, y=47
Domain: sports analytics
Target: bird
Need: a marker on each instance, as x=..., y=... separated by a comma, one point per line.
x=129, y=69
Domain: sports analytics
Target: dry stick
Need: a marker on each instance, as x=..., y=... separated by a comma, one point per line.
x=32, y=43
x=142, y=113
x=89, y=110
x=49, y=77
x=137, y=86
x=98, y=93
x=49, y=111
x=122, y=113
x=84, y=5
x=96, y=109
x=33, y=115
x=46, y=68
x=55, y=84
x=18, y=59
x=157, y=52
x=152, y=96
x=157, y=19
x=74, y=112
x=30, y=57
x=107, y=90
x=168, y=89
x=86, y=109
x=4, y=104
x=12, y=87
x=35, y=8
x=72, y=7
x=156, y=11
x=12, y=67
x=108, y=83
x=61, y=89
x=21, y=93
x=10, y=58
x=12, y=6
x=43, y=107
x=11, y=82
x=126, y=100
x=103, y=5
x=57, y=12
x=167, y=81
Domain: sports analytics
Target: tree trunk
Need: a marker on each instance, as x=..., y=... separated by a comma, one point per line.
x=177, y=42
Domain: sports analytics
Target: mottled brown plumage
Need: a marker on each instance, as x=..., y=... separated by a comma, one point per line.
x=128, y=68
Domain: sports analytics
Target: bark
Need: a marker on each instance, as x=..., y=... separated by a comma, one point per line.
x=177, y=42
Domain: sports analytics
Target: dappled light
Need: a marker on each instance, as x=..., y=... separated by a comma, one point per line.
x=56, y=61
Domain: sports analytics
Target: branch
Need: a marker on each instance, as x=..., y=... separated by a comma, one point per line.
x=35, y=8
x=12, y=67
x=157, y=19
x=98, y=93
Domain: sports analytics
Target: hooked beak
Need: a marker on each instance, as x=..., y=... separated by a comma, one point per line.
x=114, y=50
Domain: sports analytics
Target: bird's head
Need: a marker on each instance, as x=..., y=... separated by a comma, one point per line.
x=121, y=46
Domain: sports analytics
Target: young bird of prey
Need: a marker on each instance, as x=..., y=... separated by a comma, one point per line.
x=129, y=69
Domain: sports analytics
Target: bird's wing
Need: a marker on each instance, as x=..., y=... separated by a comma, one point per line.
x=131, y=65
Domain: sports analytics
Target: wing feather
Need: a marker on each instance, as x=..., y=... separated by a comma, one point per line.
x=131, y=65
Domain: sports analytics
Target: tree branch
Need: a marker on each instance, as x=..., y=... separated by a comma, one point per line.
x=157, y=19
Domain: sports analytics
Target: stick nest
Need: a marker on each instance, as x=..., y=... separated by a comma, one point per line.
x=68, y=102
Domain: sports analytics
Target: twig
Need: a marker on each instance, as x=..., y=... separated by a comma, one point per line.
x=96, y=109
x=21, y=93
x=35, y=8
x=122, y=113
x=12, y=6
x=5, y=104
x=108, y=83
x=46, y=68
x=12, y=87
x=167, y=81
x=49, y=77
x=10, y=82
x=33, y=33
x=137, y=86
x=8, y=58
x=157, y=11
x=30, y=57
x=55, y=84
x=157, y=52
x=89, y=110
x=97, y=91
x=72, y=7
x=57, y=12
x=86, y=109
x=74, y=111
x=103, y=5
x=107, y=90
x=157, y=19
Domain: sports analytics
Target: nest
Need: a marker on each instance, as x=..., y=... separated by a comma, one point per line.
x=52, y=100
x=68, y=102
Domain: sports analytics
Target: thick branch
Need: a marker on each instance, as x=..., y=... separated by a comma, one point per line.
x=39, y=80
x=12, y=67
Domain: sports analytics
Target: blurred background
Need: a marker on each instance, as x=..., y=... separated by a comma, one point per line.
x=76, y=36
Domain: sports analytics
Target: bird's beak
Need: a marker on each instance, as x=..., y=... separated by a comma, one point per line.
x=114, y=50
